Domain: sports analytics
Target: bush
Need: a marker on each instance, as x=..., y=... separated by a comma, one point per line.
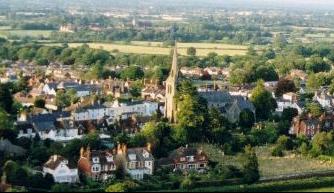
x=277, y=151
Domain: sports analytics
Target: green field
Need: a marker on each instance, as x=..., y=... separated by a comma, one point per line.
x=203, y=49
x=272, y=166
x=317, y=190
x=6, y=32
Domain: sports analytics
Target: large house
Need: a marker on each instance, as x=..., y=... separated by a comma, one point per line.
x=289, y=100
x=56, y=126
x=309, y=125
x=186, y=159
x=82, y=90
x=324, y=99
x=98, y=165
x=137, y=161
x=115, y=111
x=61, y=170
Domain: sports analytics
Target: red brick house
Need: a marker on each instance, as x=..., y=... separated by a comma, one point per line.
x=186, y=159
x=98, y=165
x=309, y=125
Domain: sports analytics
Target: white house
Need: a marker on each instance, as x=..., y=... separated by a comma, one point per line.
x=115, y=111
x=61, y=170
x=323, y=98
x=288, y=100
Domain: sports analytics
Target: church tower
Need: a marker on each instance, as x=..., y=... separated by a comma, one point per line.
x=171, y=83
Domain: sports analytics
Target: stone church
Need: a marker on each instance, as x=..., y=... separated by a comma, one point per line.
x=171, y=84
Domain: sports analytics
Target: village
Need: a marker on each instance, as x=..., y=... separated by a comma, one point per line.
x=89, y=115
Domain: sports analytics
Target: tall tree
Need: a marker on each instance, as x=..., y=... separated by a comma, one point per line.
x=263, y=101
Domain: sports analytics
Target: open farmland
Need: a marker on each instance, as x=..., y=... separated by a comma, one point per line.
x=155, y=48
x=6, y=32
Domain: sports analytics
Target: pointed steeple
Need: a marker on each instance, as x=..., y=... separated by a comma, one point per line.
x=171, y=83
x=174, y=70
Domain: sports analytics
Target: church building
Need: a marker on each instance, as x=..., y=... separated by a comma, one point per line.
x=171, y=84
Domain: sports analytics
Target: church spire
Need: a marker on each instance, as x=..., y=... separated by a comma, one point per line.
x=171, y=83
x=174, y=69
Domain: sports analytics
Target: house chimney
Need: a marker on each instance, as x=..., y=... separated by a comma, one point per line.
x=125, y=148
x=119, y=149
x=88, y=153
x=149, y=147
x=82, y=152
x=23, y=116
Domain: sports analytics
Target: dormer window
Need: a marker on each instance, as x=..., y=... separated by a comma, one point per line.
x=190, y=158
x=182, y=159
x=95, y=160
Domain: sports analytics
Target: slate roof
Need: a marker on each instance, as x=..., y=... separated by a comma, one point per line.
x=216, y=96
x=54, y=163
x=7, y=147
x=139, y=155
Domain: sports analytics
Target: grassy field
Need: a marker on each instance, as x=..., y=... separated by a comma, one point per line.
x=6, y=32
x=317, y=190
x=272, y=166
x=155, y=48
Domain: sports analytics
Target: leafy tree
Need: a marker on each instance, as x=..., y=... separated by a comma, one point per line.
x=277, y=151
x=61, y=188
x=238, y=77
x=289, y=113
x=279, y=42
x=188, y=182
x=132, y=73
x=317, y=64
x=267, y=133
x=159, y=135
x=5, y=120
x=322, y=144
x=40, y=103
x=284, y=86
x=6, y=100
x=250, y=166
x=118, y=187
x=218, y=131
x=125, y=186
x=285, y=142
x=246, y=119
x=263, y=101
x=192, y=113
x=191, y=51
x=314, y=109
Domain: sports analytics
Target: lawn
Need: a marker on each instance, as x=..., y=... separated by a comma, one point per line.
x=272, y=166
x=155, y=48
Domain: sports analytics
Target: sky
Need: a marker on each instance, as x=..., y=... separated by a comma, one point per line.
x=299, y=4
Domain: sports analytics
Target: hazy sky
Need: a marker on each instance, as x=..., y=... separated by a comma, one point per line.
x=310, y=4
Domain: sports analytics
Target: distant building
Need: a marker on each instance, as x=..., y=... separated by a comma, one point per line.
x=61, y=170
x=186, y=159
x=68, y=28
